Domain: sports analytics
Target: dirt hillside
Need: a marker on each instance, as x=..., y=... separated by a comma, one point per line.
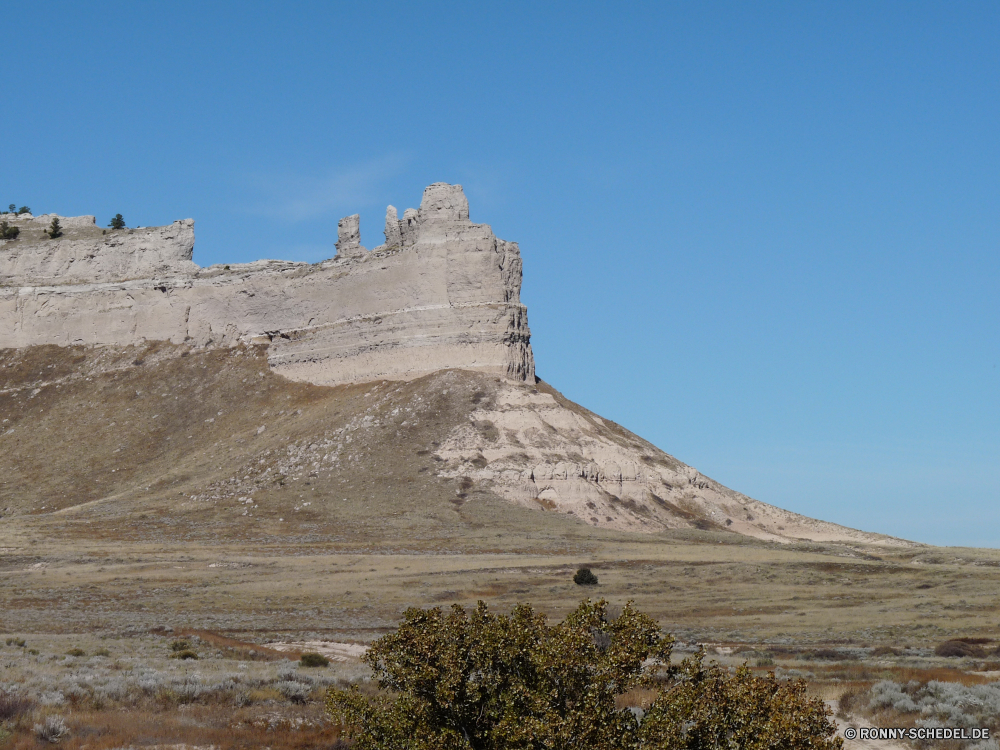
x=162, y=442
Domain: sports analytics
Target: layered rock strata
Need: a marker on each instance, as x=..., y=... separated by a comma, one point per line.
x=442, y=293
x=536, y=448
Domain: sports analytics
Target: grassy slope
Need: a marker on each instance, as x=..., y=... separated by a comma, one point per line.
x=138, y=490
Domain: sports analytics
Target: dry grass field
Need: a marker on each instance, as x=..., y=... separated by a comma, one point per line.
x=155, y=494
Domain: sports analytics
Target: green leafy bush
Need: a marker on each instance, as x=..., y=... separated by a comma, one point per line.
x=479, y=681
x=706, y=707
x=22, y=210
x=314, y=660
x=117, y=222
x=585, y=577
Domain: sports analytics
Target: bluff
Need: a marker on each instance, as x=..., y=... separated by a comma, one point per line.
x=441, y=293
x=149, y=394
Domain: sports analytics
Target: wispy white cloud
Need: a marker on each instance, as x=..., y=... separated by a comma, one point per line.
x=341, y=193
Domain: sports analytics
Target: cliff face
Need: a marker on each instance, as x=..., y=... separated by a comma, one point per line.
x=86, y=254
x=442, y=293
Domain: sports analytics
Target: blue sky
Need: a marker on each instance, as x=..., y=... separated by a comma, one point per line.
x=762, y=235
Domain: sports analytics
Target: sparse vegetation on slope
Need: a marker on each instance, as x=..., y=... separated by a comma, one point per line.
x=930, y=703
x=134, y=696
x=137, y=483
x=8, y=232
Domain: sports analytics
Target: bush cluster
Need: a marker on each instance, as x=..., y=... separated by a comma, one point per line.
x=931, y=704
x=8, y=232
x=54, y=682
x=476, y=680
x=314, y=660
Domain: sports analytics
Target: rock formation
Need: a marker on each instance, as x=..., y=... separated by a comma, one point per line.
x=393, y=232
x=535, y=448
x=440, y=297
x=86, y=254
x=442, y=293
x=349, y=237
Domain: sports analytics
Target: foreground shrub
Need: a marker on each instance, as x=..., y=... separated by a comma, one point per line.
x=481, y=681
x=585, y=577
x=314, y=660
x=52, y=729
x=706, y=707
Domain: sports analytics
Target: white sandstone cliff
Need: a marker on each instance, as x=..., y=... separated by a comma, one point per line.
x=442, y=293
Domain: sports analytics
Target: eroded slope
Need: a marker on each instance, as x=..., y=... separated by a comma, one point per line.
x=170, y=443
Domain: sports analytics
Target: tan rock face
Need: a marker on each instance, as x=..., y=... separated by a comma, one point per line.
x=445, y=295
